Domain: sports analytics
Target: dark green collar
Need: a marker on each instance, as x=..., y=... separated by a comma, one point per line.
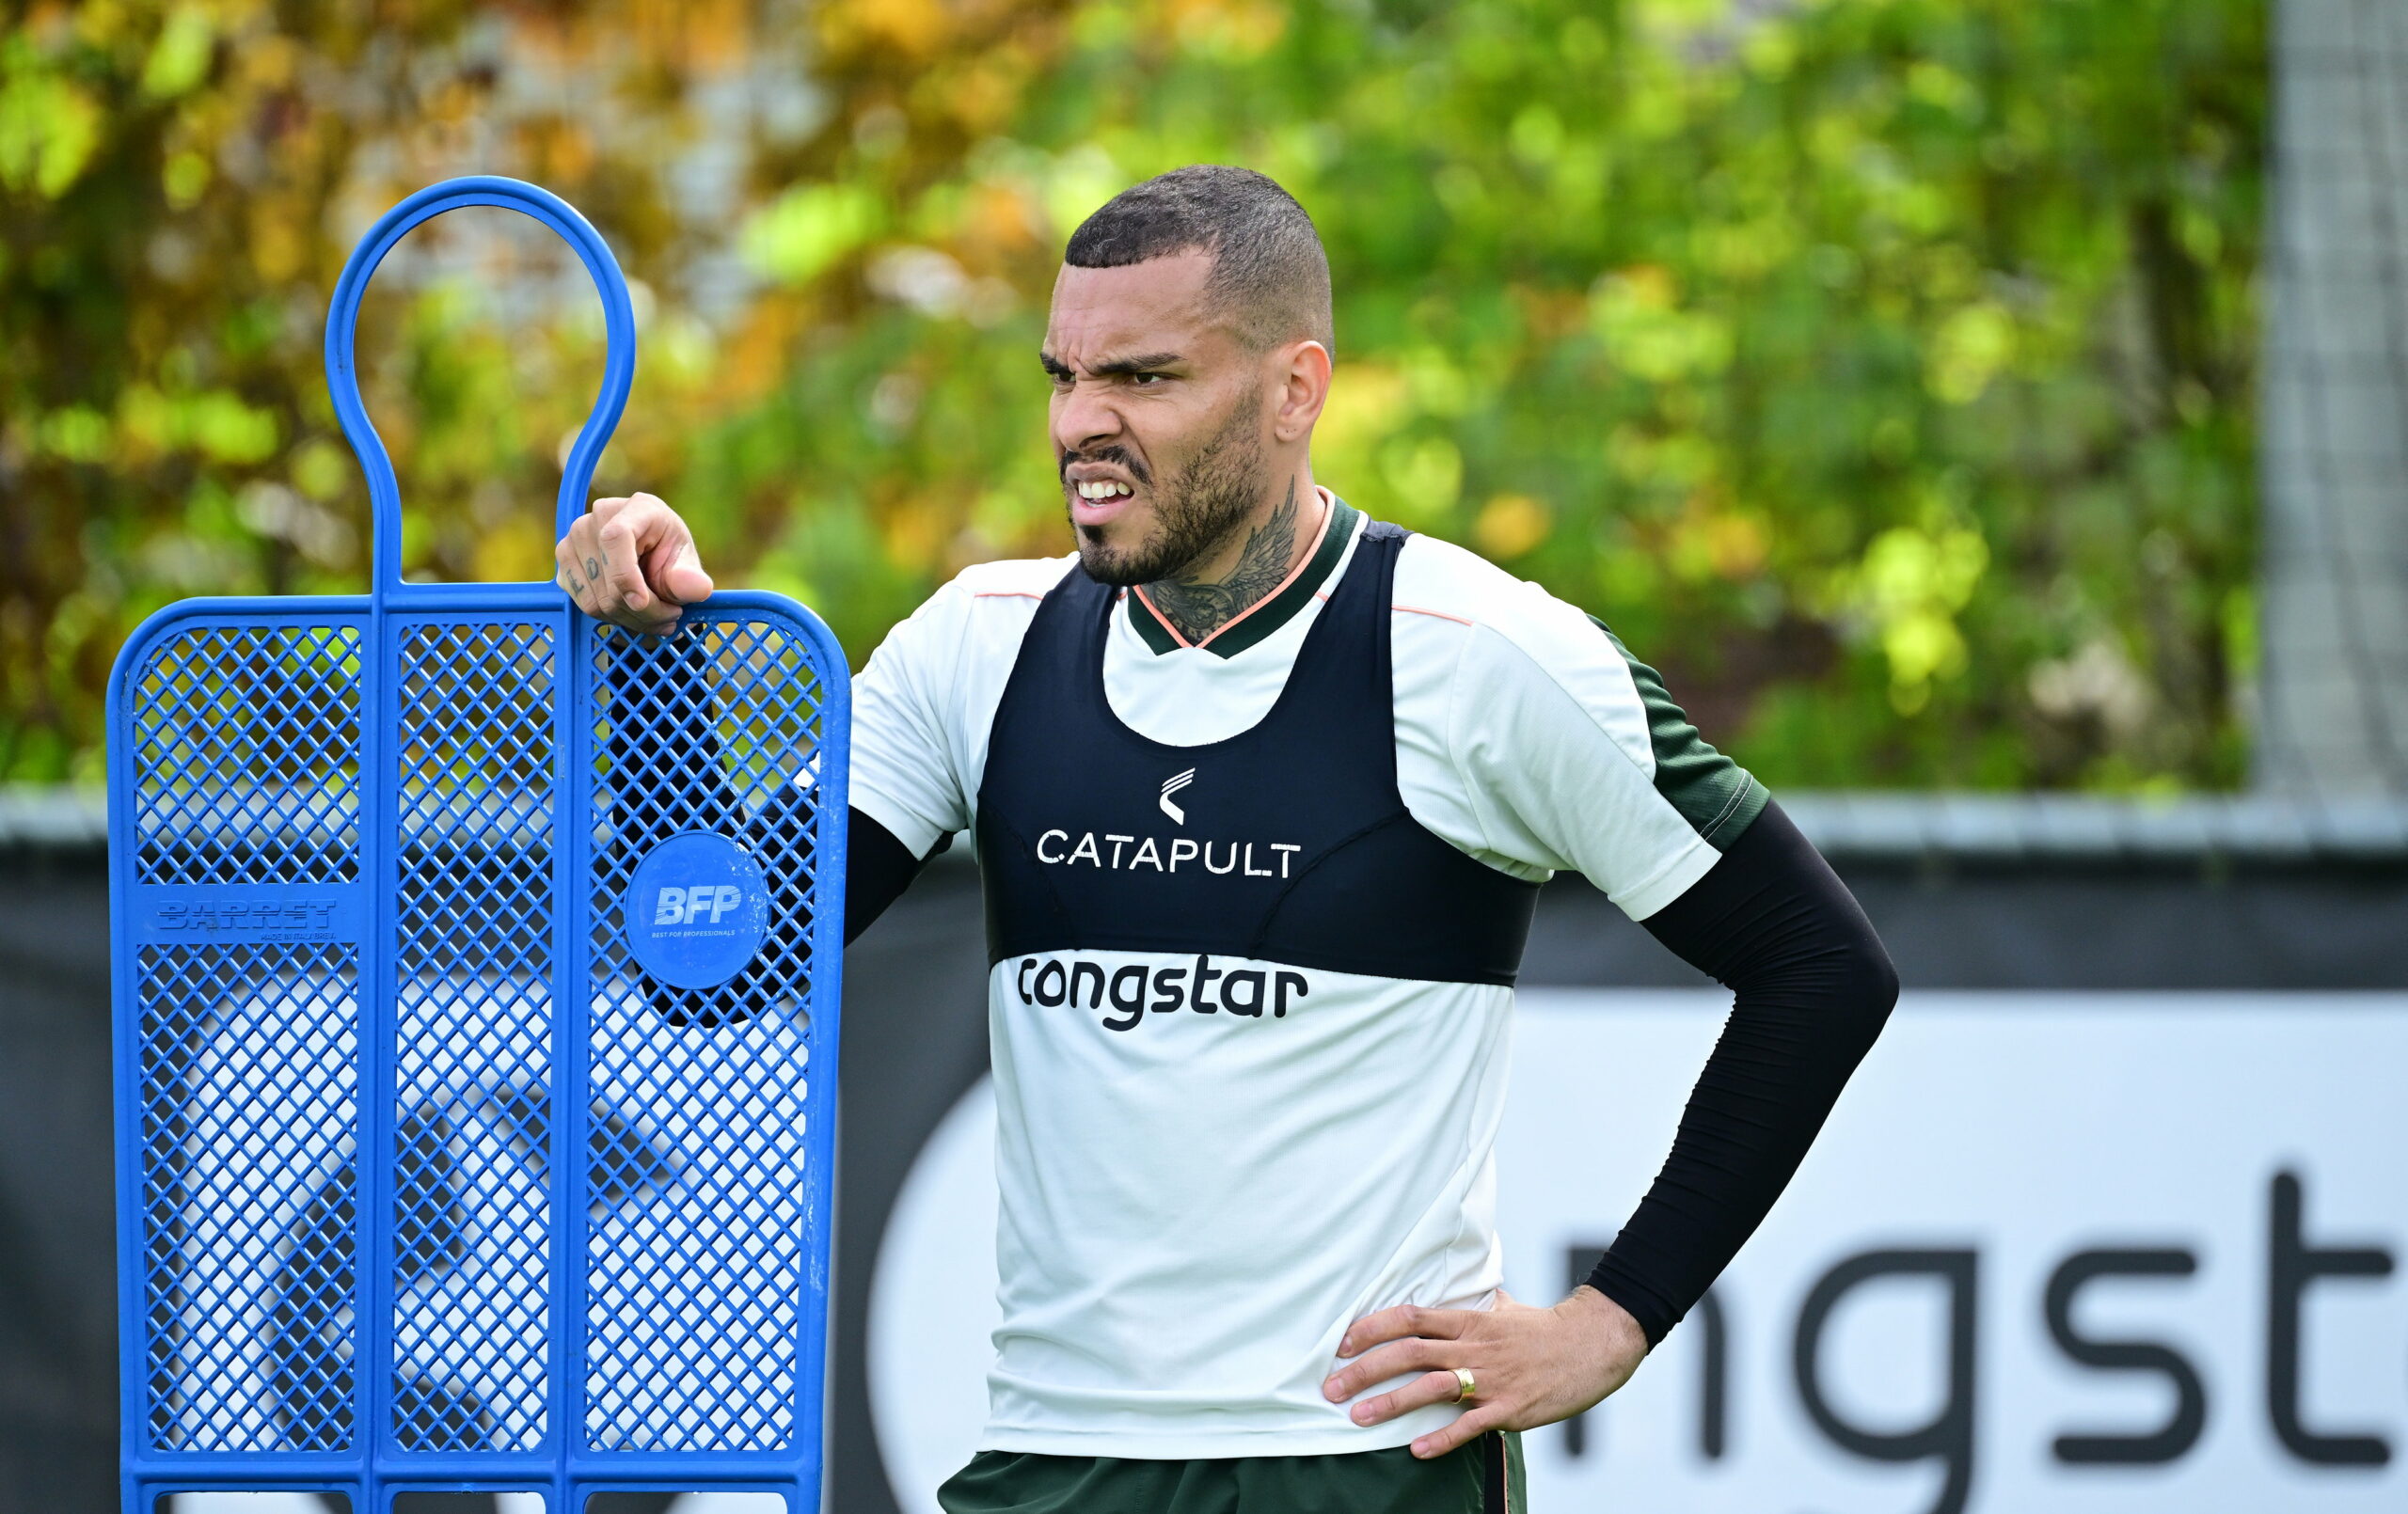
x=1270, y=614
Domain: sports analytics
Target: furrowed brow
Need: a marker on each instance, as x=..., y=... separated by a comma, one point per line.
x=1142, y=363
x=1055, y=366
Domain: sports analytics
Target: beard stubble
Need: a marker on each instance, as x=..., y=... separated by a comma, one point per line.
x=1197, y=508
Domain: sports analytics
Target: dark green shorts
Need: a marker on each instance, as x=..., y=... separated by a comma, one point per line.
x=1484, y=1478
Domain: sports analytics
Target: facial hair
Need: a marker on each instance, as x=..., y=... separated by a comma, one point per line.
x=1197, y=507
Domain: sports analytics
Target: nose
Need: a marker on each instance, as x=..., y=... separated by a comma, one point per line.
x=1084, y=418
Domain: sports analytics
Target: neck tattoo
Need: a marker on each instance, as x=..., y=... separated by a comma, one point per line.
x=1197, y=609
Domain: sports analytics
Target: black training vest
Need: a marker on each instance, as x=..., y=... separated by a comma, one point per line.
x=1290, y=841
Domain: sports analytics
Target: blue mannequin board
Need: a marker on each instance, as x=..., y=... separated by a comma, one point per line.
x=476, y=971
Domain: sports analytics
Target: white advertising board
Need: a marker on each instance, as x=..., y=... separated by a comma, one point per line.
x=2065, y=1250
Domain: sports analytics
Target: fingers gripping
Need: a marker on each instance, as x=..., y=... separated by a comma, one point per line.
x=570, y=575
x=618, y=567
x=671, y=568
x=613, y=559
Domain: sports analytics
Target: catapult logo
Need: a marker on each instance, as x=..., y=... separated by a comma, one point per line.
x=1111, y=852
x=1172, y=785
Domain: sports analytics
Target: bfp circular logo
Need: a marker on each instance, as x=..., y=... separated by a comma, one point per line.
x=696, y=911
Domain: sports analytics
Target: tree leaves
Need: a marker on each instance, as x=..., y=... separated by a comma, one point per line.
x=1881, y=368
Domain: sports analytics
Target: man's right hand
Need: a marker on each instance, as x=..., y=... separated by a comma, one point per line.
x=632, y=563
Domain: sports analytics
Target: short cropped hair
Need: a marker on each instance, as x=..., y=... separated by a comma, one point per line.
x=1268, y=264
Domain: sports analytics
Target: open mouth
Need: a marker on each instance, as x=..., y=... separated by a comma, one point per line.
x=1100, y=492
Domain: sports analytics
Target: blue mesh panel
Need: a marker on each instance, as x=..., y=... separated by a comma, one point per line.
x=246, y=1070
x=699, y=1238
x=423, y=1183
x=472, y=1037
x=247, y=740
x=248, y=1056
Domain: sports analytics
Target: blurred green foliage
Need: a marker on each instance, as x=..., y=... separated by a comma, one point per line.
x=1882, y=368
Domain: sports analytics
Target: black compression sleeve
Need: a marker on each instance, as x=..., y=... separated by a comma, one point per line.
x=877, y=868
x=1811, y=987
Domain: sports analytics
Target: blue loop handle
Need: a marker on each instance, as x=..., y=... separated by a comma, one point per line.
x=343, y=321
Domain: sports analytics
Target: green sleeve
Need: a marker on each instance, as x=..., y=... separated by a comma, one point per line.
x=1715, y=795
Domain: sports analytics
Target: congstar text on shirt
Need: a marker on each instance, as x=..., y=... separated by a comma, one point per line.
x=1132, y=990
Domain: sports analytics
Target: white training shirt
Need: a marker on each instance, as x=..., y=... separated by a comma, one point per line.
x=1159, y=1308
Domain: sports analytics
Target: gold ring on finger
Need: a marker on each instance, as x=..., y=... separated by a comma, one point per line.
x=1465, y=1386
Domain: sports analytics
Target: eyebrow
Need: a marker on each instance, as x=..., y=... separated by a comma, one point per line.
x=1118, y=368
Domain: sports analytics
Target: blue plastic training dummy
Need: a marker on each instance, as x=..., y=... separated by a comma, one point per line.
x=476, y=989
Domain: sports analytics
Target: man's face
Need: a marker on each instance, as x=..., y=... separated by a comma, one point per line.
x=1158, y=417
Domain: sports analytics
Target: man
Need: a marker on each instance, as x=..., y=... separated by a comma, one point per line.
x=1263, y=791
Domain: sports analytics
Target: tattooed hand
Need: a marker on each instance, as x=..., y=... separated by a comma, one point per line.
x=632, y=563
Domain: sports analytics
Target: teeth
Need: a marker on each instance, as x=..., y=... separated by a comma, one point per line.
x=1102, y=489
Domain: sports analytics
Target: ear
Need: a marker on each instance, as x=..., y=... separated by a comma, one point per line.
x=1301, y=370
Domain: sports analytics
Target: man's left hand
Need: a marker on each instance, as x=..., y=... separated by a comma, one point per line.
x=1530, y=1367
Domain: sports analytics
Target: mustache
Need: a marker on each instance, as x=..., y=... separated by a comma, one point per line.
x=1116, y=455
